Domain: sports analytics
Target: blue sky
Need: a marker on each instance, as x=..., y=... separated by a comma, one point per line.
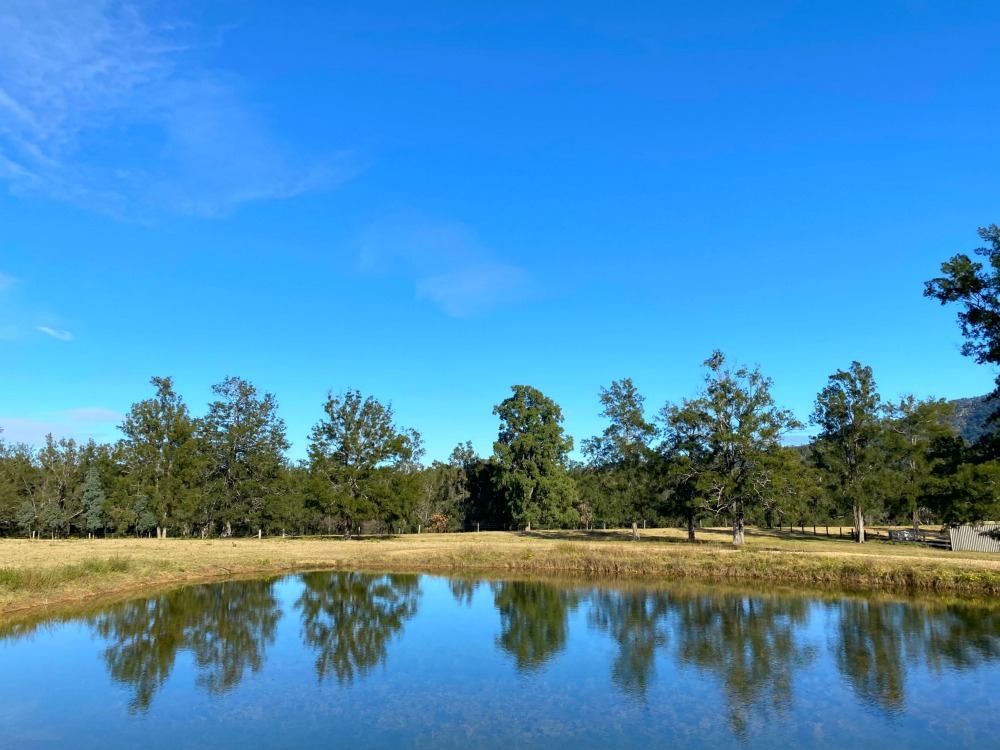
x=431, y=203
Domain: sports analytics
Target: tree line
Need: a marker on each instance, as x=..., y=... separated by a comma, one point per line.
x=719, y=454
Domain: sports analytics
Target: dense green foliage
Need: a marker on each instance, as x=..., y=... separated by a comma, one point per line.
x=530, y=457
x=728, y=439
x=718, y=455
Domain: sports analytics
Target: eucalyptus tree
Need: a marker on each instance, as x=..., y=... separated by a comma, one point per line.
x=161, y=457
x=964, y=482
x=850, y=447
x=977, y=290
x=58, y=494
x=243, y=440
x=914, y=431
x=679, y=470
x=356, y=453
x=800, y=484
x=620, y=457
x=727, y=440
x=530, y=455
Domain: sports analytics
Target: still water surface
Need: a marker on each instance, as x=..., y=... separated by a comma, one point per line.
x=331, y=660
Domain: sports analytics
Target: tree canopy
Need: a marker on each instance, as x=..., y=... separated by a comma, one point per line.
x=530, y=453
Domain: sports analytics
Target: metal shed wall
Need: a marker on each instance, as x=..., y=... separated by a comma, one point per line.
x=975, y=538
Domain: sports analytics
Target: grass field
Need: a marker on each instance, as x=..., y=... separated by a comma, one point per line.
x=39, y=573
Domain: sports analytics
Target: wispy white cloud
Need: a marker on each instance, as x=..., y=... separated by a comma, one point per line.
x=56, y=333
x=83, y=424
x=105, y=105
x=449, y=265
x=94, y=414
x=18, y=320
x=475, y=288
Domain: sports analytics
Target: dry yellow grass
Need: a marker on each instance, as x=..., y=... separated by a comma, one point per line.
x=34, y=574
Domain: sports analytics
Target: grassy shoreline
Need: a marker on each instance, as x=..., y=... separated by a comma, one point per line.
x=36, y=575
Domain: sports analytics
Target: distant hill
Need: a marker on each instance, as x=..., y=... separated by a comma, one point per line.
x=970, y=416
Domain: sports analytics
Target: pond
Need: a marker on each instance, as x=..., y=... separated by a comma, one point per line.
x=347, y=659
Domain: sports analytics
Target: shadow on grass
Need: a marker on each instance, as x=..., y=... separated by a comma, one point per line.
x=704, y=537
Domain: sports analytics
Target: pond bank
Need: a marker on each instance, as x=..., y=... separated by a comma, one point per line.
x=42, y=573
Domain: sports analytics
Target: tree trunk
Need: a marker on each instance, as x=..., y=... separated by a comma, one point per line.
x=859, y=524
x=227, y=530
x=691, y=528
x=635, y=532
x=738, y=529
x=916, y=521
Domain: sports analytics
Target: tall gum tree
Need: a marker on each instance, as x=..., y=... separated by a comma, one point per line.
x=728, y=437
x=619, y=458
x=850, y=447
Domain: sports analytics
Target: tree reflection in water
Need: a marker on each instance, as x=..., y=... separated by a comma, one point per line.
x=750, y=644
x=869, y=648
x=960, y=636
x=462, y=589
x=349, y=618
x=534, y=620
x=876, y=642
x=227, y=627
x=636, y=621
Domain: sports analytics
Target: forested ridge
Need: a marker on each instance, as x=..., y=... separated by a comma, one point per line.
x=971, y=416
x=719, y=454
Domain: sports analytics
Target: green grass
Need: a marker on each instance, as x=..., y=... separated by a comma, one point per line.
x=34, y=579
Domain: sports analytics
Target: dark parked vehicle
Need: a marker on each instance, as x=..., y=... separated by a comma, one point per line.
x=902, y=535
